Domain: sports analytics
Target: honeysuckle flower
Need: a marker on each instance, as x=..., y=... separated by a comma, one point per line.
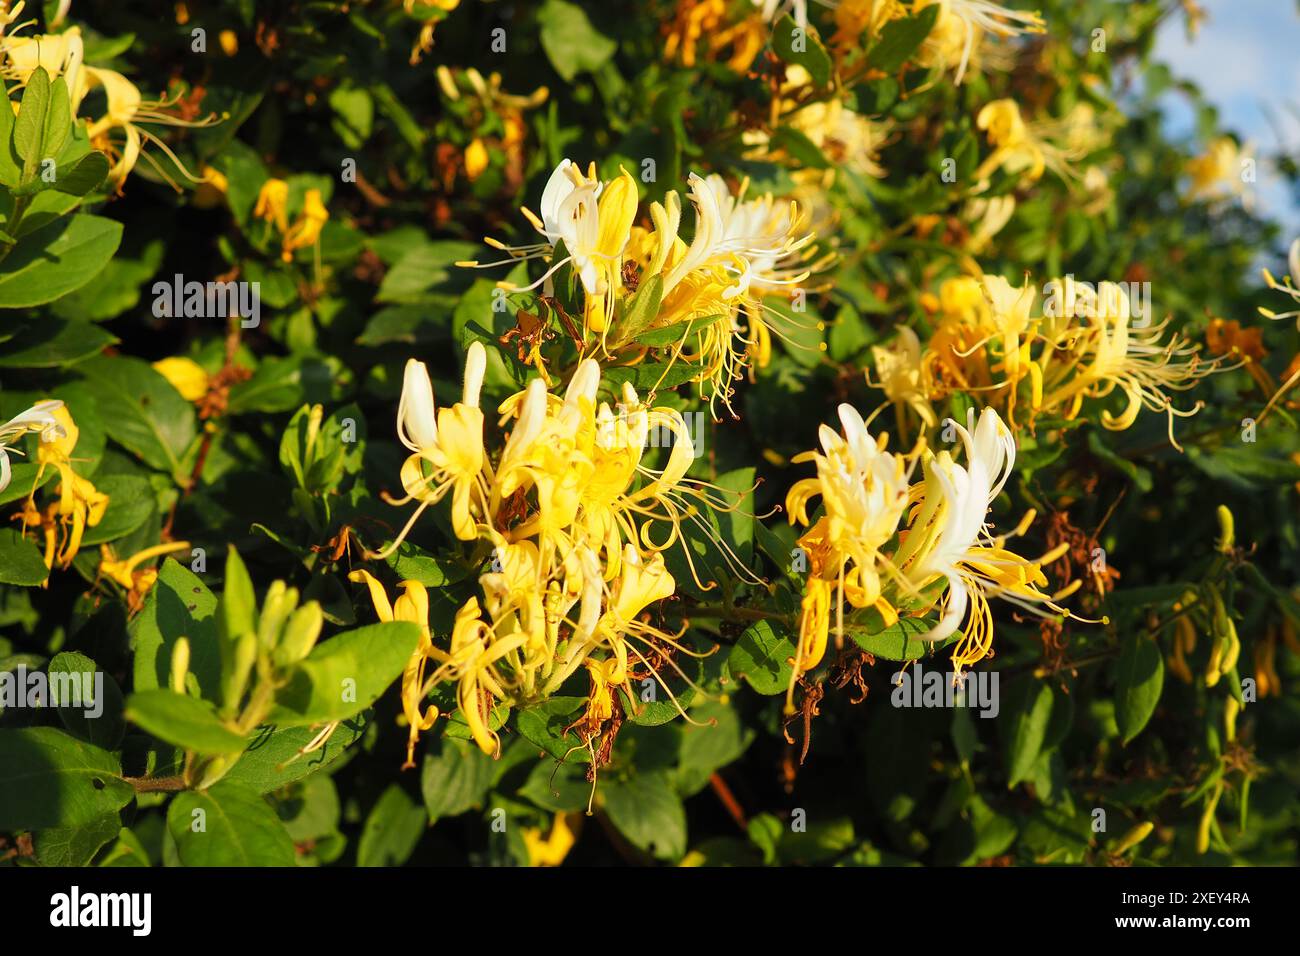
x=272, y=204
x=1221, y=171
x=306, y=229
x=706, y=20
x=864, y=491
x=60, y=54
x=127, y=571
x=8, y=16
x=1106, y=355
x=412, y=606
x=79, y=504
x=886, y=544
x=446, y=446
x=40, y=418
x=567, y=508
x=424, y=41
x=1026, y=149
x=551, y=849
x=772, y=9
x=853, y=18
x=947, y=539
x=961, y=27
x=741, y=250
x=988, y=216
x=569, y=213
x=902, y=377
x=128, y=111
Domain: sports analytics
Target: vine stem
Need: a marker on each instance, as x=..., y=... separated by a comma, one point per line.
x=156, y=784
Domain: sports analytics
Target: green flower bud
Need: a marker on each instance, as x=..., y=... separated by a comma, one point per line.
x=300, y=634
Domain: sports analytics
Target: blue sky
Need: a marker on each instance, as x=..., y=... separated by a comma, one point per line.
x=1246, y=60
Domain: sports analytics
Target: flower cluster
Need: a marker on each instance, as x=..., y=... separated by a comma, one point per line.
x=569, y=508
x=888, y=546
x=700, y=302
x=1084, y=343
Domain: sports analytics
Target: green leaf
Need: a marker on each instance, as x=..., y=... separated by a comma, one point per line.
x=284, y=384
x=346, y=674
x=184, y=721
x=75, y=846
x=672, y=334
x=641, y=311
x=59, y=257
x=393, y=828
x=228, y=825
x=899, y=39
x=127, y=851
x=149, y=416
x=29, y=126
x=272, y=759
x=10, y=163
x=84, y=175
x=800, y=147
x=411, y=563
x=899, y=641
x=51, y=779
x=648, y=812
x=802, y=48
x=762, y=657
x=58, y=119
x=571, y=43
x=20, y=560
x=130, y=502
x=237, y=611
x=105, y=725
x=1139, y=679
x=116, y=289
x=706, y=749
x=1029, y=710
x=544, y=724
x=178, y=605
x=422, y=267
x=455, y=778
x=52, y=343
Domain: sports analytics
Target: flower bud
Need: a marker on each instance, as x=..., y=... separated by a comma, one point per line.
x=300, y=634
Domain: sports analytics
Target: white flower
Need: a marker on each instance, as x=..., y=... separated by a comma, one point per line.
x=38, y=418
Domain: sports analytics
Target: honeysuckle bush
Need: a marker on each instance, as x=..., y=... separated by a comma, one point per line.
x=535, y=433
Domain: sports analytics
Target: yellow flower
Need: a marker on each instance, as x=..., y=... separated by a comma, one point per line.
x=960, y=29
x=185, y=375
x=125, y=573
x=306, y=230
x=1106, y=355
x=129, y=112
x=80, y=505
x=902, y=377
x=412, y=606
x=211, y=191
x=864, y=491
x=863, y=553
x=476, y=159
x=60, y=54
x=550, y=850
x=1026, y=149
x=1220, y=172
x=447, y=446
x=273, y=204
